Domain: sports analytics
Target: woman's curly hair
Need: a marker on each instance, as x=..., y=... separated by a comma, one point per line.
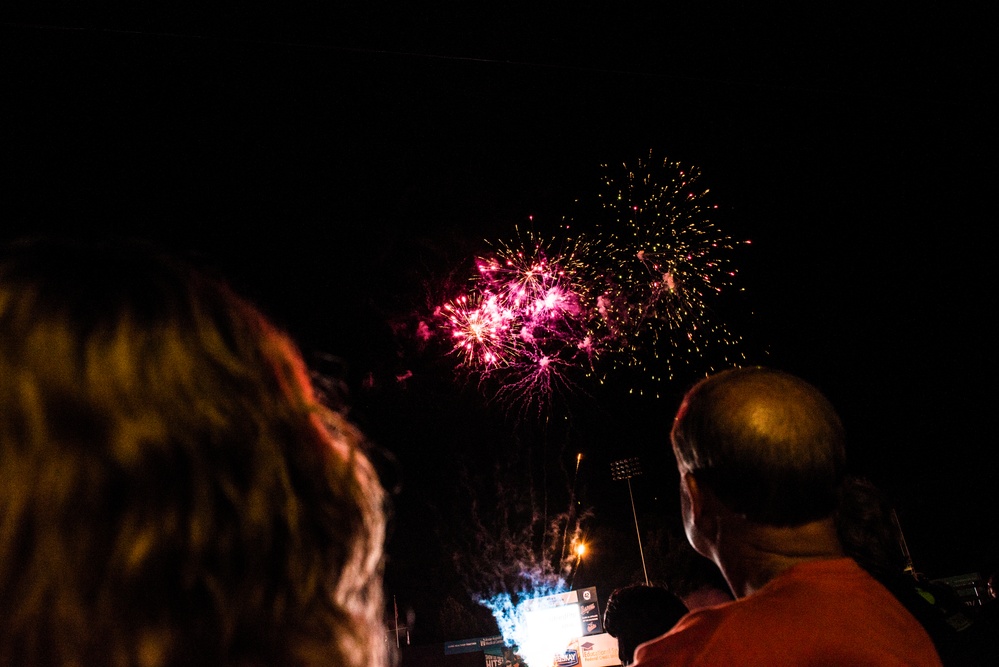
x=171, y=491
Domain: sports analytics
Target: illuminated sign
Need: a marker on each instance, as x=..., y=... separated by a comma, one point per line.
x=554, y=624
x=559, y=630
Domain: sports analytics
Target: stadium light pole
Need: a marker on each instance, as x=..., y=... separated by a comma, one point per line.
x=626, y=469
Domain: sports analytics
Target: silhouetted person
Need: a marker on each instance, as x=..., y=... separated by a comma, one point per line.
x=171, y=491
x=637, y=613
x=871, y=536
x=761, y=457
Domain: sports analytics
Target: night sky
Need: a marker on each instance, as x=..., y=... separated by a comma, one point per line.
x=343, y=167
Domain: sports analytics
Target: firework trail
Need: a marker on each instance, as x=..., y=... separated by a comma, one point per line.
x=637, y=293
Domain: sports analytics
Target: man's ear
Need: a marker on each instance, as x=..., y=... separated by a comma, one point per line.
x=705, y=508
x=695, y=494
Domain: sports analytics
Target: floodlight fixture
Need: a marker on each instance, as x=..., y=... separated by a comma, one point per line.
x=625, y=469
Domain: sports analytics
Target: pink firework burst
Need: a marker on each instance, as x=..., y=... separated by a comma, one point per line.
x=637, y=297
x=523, y=322
x=480, y=325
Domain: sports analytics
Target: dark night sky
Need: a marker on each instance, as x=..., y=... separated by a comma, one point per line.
x=333, y=163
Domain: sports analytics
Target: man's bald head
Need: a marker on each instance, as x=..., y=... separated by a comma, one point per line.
x=766, y=443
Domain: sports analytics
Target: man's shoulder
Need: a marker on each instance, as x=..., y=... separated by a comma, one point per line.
x=799, y=621
x=691, y=635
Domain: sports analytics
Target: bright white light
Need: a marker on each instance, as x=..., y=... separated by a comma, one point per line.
x=550, y=630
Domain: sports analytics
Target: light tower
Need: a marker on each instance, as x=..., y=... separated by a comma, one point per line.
x=626, y=469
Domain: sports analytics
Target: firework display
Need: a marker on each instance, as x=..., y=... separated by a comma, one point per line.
x=636, y=292
x=664, y=265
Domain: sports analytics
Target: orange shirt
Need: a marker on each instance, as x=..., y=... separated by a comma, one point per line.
x=823, y=612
